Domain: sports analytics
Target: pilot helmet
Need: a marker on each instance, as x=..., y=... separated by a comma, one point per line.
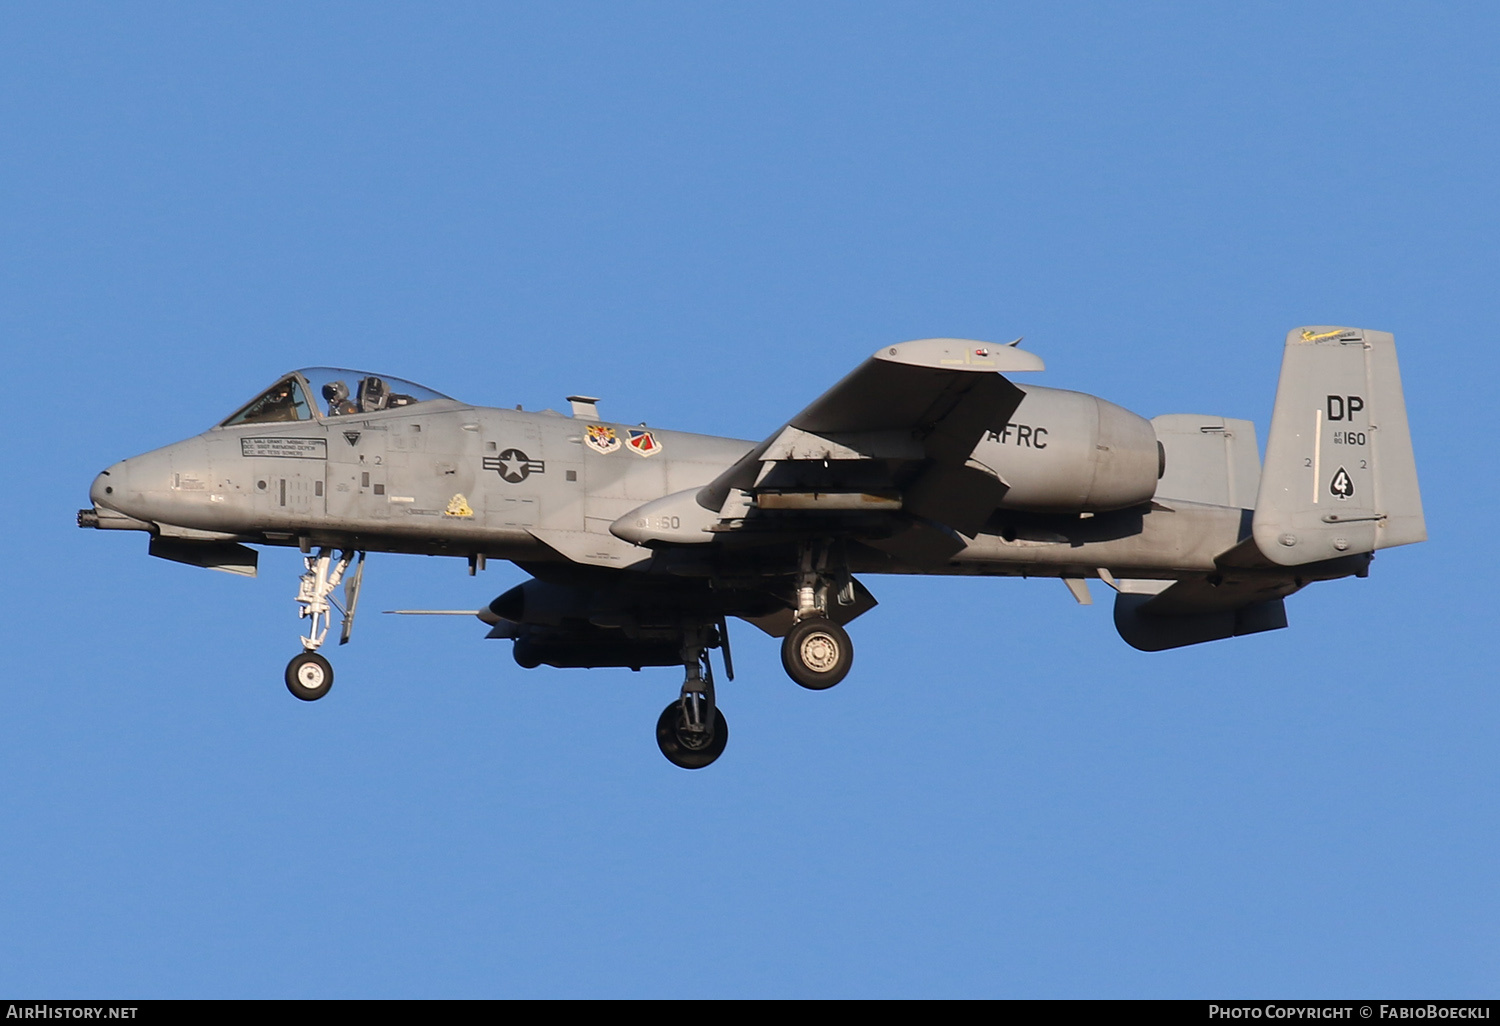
x=335, y=392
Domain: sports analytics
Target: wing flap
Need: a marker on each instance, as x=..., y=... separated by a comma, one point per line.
x=960, y=495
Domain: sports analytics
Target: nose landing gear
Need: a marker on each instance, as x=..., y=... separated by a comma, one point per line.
x=310, y=675
x=692, y=732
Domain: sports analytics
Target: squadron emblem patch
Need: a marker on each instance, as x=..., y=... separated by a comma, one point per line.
x=458, y=506
x=601, y=438
x=642, y=443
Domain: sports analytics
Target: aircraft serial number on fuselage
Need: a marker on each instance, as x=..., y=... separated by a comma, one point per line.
x=1348, y=438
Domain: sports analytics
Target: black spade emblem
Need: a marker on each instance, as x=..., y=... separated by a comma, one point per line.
x=1342, y=485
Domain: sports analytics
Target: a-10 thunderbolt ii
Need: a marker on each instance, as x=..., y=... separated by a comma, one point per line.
x=927, y=459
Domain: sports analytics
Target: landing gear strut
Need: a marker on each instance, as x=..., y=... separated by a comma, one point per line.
x=309, y=675
x=692, y=732
x=817, y=652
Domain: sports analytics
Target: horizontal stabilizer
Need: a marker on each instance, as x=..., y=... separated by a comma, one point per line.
x=1152, y=633
x=1154, y=615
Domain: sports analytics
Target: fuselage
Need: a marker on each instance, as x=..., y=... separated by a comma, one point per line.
x=442, y=477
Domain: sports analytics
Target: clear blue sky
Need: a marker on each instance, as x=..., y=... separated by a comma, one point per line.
x=706, y=213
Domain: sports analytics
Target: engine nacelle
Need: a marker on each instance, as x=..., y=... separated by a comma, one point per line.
x=1068, y=452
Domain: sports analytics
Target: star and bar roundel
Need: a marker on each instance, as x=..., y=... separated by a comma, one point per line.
x=514, y=466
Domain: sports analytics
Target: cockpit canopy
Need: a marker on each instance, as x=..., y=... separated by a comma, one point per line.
x=329, y=392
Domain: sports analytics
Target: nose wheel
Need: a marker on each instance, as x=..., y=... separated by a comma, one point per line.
x=683, y=745
x=309, y=676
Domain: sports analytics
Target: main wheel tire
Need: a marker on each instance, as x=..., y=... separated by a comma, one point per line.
x=684, y=748
x=309, y=676
x=817, y=653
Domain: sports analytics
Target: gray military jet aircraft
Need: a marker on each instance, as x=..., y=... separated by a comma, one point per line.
x=926, y=459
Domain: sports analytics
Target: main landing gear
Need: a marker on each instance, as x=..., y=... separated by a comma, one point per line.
x=817, y=652
x=692, y=732
x=310, y=675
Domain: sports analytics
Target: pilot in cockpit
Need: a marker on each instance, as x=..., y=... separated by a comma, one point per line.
x=336, y=394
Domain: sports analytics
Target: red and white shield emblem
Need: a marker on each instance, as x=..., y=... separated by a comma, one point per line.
x=643, y=443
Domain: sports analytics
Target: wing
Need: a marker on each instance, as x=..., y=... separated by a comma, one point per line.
x=893, y=437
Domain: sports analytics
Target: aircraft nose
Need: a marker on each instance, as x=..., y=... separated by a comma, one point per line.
x=107, y=484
